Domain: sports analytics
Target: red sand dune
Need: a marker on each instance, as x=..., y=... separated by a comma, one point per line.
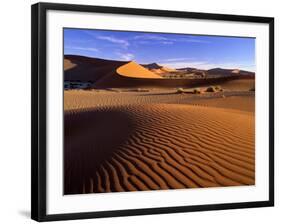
x=157, y=146
x=131, y=140
x=163, y=70
x=134, y=70
x=158, y=69
x=238, y=72
x=239, y=84
x=88, y=69
x=118, y=74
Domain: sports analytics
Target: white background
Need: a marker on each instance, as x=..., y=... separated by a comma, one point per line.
x=15, y=110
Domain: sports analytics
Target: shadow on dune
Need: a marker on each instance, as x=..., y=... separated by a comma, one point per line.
x=88, y=69
x=90, y=138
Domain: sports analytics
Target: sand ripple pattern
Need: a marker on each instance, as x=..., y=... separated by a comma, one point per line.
x=155, y=146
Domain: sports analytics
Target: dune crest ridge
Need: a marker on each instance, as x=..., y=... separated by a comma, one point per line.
x=134, y=70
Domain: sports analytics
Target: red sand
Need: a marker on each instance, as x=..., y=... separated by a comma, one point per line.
x=127, y=142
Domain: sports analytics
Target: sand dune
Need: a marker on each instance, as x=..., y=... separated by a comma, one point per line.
x=68, y=64
x=158, y=69
x=123, y=74
x=123, y=139
x=88, y=69
x=238, y=72
x=239, y=84
x=152, y=148
x=167, y=69
x=240, y=103
x=134, y=70
x=163, y=70
x=86, y=100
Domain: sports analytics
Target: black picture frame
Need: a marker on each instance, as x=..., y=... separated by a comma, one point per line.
x=38, y=107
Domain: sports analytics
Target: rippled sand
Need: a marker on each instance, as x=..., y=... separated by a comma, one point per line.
x=129, y=141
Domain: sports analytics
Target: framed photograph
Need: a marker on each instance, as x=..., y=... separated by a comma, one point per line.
x=139, y=111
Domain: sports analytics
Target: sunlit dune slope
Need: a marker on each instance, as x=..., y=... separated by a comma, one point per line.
x=160, y=146
x=134, y=70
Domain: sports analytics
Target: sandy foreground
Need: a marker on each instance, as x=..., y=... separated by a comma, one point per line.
x=132, y=140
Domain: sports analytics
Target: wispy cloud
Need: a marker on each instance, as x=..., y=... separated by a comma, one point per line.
x=153, y=38
x=149, y=37
x=150, y=42
x=126, y=56
x=175, y=59
x=83, y=48
x=167, y=42
x=122, y=42
x=193, y=40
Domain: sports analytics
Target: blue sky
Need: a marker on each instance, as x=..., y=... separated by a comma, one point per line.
x=173, y=50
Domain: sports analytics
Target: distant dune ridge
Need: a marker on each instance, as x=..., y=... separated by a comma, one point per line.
x=152, y=66
x=114, y=74
x=229, y=72
x=158, y=69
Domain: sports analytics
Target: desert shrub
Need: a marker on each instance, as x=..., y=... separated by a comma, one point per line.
x=180, y=90
x=218, y=88
x=197, y=91
x=211, y=89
